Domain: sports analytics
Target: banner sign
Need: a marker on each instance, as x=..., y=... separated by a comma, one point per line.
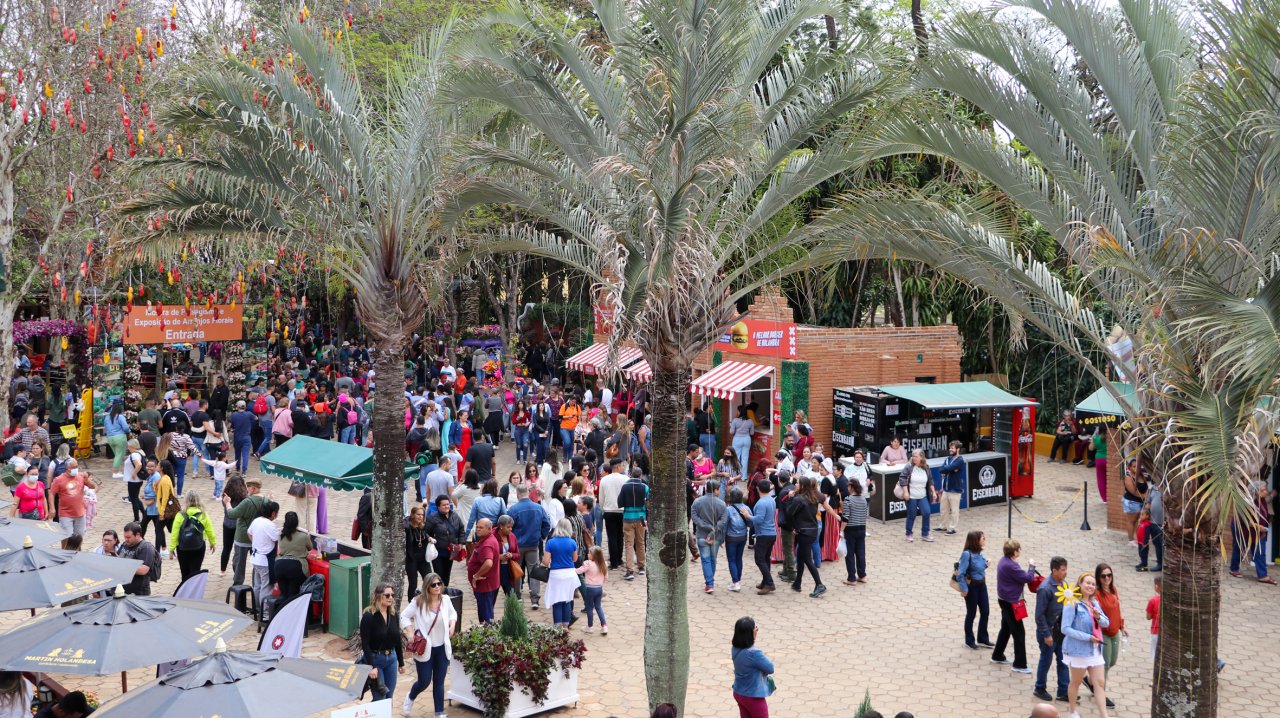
x=176, y=324
x=752, y=336
x=602, y=316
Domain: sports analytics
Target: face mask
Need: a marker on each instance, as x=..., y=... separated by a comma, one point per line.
x=73, y=472
x=32, y=478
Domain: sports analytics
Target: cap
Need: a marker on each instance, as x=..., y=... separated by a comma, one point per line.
x=240, y=406
x=253, y=482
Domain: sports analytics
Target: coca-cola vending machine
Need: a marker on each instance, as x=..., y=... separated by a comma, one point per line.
x=1015, y=434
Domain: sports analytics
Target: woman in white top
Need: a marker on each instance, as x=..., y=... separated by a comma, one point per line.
x=15, y=695
x=918, y=481
x=432, y=615
x=263, y=533
x=858, y=470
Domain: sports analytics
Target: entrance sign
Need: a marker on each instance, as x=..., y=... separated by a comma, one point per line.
x=176, y=324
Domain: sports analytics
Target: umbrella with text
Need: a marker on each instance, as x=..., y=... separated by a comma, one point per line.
x=39, y=576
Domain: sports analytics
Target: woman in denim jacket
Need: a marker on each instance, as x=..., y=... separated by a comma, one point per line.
x=1082, y=624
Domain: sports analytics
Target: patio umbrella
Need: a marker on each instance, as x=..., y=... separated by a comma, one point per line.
x=242, y=684
x=38, y=576
x=110, y=635
x=14, y=531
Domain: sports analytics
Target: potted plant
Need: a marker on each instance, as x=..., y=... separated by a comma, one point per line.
x=512, y=668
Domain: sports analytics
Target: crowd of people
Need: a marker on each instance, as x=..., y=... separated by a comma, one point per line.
x=573, y=514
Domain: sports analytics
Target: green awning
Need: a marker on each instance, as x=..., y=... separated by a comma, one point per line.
x=960, y=395
x=330, y=464
x=1103, y=402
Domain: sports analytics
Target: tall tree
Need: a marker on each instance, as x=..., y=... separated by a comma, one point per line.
x=657, y=160
x=1152, y=163
x=298, y=148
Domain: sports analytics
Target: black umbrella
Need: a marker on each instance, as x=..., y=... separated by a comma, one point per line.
x=14, y=531
x=38, y=576
x=242, y=684
x=110, y=635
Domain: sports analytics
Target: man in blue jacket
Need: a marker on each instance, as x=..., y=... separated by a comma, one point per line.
x=955, y=475
x=766, y=529
x=532, y=527
x=1049, y=632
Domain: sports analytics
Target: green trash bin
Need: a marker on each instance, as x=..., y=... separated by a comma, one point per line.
x=349, y=587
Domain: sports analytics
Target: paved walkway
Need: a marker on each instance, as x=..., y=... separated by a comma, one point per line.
x=899, y=636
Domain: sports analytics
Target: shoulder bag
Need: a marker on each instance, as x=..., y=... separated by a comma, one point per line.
x=1020, y=609
x=540, y=573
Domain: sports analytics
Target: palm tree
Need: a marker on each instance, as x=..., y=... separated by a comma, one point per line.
x=300, y=150
x=657, y=167
x=1147, y=150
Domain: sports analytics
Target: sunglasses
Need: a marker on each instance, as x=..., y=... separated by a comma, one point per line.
x=435, y=585
x=1106, y=575
x=388, y=595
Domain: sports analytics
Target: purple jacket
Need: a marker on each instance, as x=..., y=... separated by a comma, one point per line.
x=1010, y=579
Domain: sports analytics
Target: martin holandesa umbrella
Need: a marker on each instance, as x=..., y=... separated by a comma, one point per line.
x=113, y=635
x=242, y=684
x=39, y=576
x=14, y=531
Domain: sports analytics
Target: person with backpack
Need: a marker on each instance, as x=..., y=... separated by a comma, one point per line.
x=737, y=518
x=242, y=423
x=157, y=492
x=192, y=537
x=134, y=468
x=264, y=408
x=135, y=546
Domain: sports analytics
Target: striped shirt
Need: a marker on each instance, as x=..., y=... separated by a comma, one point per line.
x=854, y=510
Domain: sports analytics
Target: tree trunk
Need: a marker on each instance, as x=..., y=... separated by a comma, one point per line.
x=833, y=39
x=8, y=307
x=921, y=33
x=899, y=314
x=1186, y=676
x=666, y=624
x=856, y=319
x=387, y=423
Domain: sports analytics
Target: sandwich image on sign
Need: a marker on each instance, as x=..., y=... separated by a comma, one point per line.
x=740, y=336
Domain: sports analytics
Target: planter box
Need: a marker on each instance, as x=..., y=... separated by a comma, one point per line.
x=561, y=692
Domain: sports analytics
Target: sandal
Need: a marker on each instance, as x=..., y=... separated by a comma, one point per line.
x=1267, y=579
x=1236, y=574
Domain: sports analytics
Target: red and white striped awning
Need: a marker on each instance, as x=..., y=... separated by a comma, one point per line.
x=592, y=359
x=728, y=379
x=639, y=372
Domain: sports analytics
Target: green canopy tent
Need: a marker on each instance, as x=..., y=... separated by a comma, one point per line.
x=331, y=464
x=1102, y=408
x=957, y=395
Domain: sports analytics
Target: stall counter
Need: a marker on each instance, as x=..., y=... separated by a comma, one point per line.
x=988, y=481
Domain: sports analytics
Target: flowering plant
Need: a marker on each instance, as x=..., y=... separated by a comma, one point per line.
x=484, y=331
x=498, y=656
x=23, y=331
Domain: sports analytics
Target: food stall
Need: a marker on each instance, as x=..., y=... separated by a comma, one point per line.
x=979, y=415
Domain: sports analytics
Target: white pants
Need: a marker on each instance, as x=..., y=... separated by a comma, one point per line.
x=949, y=516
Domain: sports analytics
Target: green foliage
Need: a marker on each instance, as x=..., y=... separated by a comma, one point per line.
x=864, y=707
x=497, y=664
x=515, y=624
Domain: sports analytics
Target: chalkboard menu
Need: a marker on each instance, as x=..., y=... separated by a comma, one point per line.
x=863, y=417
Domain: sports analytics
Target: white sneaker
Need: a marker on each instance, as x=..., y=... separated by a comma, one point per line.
x=735, y=586
x=1074, y=715
x=117, y=475
x=604, y=630
x=407, y=707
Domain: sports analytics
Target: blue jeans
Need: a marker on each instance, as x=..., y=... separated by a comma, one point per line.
x=521, y=435
x=708, y=552
x=348, y=436
x=1155, y=538
x=431, y=672
x=388, y=670
x=1047, y=656
x=733, y=550
x=540, y=448
x=265, y=446
x=485, y=601
x=708, y=444
x=597, y=516
x=180, y=471
x=566, y=443
x=593, y=596
x=976, y=604
x=200, y=453
x=244, y=447
x=1255, y=555
x=562, y=613
x=742, y=447
x=922, y=507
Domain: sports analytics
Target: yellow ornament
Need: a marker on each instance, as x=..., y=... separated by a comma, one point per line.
x=77, y=296
x=169, y=275
x=106, y=356
x=65, y=344
x=1068, y=594
x=137, y=36
x=140, y=136
x=159, y=48
x=173, y=11
x=129, y=294
x=48, y=89
x=179, y=150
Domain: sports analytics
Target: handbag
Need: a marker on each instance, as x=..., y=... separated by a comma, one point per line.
x=171, y=508
x=517, y=572
x=955, y=577
x=458, y=552
x=540, y=573
x=355, y=529
x=771, y=683
x=297, y=489
x=902, y=493
x=1020, y=609
x=1034, y=584
x=418, y=645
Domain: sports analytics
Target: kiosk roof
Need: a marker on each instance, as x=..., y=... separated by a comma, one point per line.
x=960, y=395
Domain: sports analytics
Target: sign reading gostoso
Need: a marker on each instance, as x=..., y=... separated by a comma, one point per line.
x=176, y=324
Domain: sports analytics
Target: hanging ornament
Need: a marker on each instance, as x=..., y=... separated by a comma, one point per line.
x=129, y=294
x=65, y=344
x=77, y=297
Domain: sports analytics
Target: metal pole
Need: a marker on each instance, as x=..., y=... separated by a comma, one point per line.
x=1085, y=526
x=1008, y=505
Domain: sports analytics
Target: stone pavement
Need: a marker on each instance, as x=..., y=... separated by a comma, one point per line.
x=898, y=636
